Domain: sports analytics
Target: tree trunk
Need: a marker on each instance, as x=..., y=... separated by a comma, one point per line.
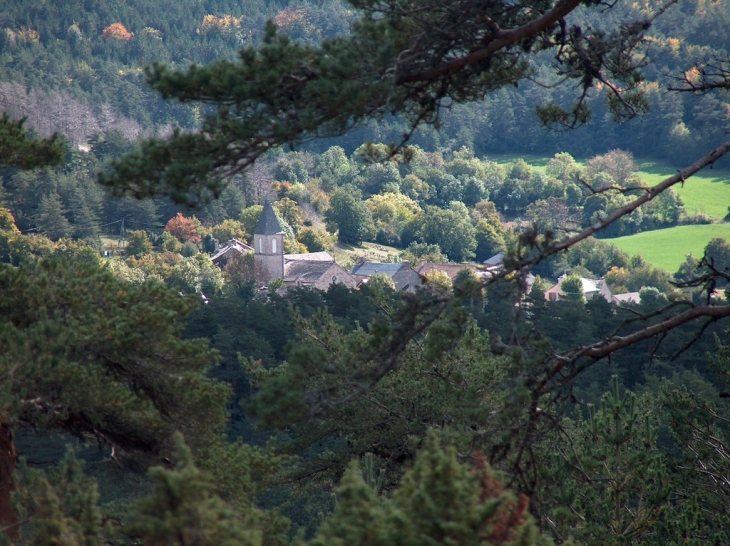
x=8, y=462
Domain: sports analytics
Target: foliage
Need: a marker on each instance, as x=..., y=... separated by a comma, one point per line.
x=170, y=243
x=439, y=501
x=116, y=31
x=183, y=509
x=289, y=211
x=138, y=244
x=76, y=357
x=17, y=149
x=249, y=218
x=314, y=240
x=717, y=255
x=50, y=217
x=229, y=229
x=196, y=274
x=417, y=252
x=380, y=289
x=62, y=505
x=84, y=379
x=349, y=217
x=613, y=484
x=243, y=273
x=183, y=229
x=347, y=390
x=572, y=286
x=450, y=229
x=352, y=79
x=635, y=278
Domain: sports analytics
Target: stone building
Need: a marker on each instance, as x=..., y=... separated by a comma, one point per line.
x=268, y=243
x=314, y=270
x=403, y=276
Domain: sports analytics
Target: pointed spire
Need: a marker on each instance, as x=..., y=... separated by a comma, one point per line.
x=268, y=222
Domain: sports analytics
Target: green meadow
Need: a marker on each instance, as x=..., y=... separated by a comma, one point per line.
x=707, y=192
x=668, y=248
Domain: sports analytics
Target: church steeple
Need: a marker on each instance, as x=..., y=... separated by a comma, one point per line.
x=268, y=222
x=268, y=243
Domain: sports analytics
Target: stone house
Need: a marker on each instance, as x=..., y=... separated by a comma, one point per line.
x=591, y=289
x=232, y=248
x=403, y=276
x=314, y=270
x=316, y=274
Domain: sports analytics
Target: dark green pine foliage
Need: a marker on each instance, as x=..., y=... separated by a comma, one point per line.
x=86, y=353
x=50, y=218
x=608, y=483
x=17, y=149
x=400, y=58
x=439, y=501
x=183, y=510
x=62, y=505
x=696, y=416
x=342, y=395
x=85, y=220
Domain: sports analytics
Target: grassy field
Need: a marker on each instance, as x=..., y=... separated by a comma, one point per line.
x=347, y=255
x=707, y=192
x=668, y=248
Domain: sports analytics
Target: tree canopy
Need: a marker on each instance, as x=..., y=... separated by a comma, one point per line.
x=401, y=57
x=86, y=353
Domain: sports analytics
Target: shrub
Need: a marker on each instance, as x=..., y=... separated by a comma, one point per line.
x=118, y=32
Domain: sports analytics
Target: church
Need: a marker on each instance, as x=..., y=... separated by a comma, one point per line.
x=313, y=270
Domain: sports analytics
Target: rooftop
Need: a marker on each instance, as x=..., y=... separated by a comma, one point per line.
x=367, y=269
x=309, y=257
x=268, y=222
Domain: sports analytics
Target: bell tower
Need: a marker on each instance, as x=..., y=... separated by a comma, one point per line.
x=268, y=243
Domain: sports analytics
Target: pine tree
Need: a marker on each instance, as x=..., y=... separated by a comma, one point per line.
x=609, y=483
x=61, y=505
x=51, y=217
x=183, y=510
x=17, y=149
x=83, y=352
x=439, y=501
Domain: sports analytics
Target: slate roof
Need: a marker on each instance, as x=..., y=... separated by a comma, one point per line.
x=309, y=257
x=306, y=272
x=628, y=297
x=366, y=269
x=497, y=259
x=268, y=222
x=231, y=246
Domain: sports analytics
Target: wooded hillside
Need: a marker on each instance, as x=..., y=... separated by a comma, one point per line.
x=524, y=403
x=77, y=67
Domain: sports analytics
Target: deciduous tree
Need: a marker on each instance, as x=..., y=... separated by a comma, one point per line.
x=183, y=229
x=349, y=217
x=399, y=58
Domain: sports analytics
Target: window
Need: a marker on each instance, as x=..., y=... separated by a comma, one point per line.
x=261, y=246
x=273, y=246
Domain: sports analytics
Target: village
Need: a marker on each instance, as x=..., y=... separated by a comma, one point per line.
x=319, y=269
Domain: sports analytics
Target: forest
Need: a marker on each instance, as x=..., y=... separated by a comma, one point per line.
x=149, y=396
